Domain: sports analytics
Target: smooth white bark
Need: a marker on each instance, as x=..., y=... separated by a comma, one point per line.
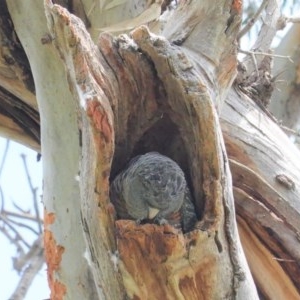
x=60, y=146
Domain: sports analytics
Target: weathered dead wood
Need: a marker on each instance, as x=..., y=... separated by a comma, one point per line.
x=19, y=118
x=15, y=73
x=131, y=94
x=90, y=91
x=152, y=89
x=265, y=168
x=213, y=48
x=134, y=91
x=271, y=279
x=186, y=103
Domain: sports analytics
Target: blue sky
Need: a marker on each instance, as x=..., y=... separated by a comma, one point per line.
x=16, y=189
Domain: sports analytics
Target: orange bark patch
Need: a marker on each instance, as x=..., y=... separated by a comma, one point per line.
x=151, y=242
x=49, y=218
x=189, y=289
x=58, y=290
x=200, y=285
x=237, y=6
x=53, y=255
x=155, y=261
x=145, y=251
x=96, y=112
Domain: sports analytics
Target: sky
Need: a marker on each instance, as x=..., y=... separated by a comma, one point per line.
x=15, y=188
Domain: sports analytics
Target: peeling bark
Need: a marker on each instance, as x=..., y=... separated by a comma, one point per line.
x=19, y=117
x=53, y=253
x=103, y=104
x=265, y=169
x=128, y=90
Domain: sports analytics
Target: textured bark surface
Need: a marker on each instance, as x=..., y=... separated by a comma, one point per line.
x=266, y=172
x=19, y=116
x=137, y=90
x=102, y=104
x=145, y=101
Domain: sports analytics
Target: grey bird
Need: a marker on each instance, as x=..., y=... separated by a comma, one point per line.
x=153, y=187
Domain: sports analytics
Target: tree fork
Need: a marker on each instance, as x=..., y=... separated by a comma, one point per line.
x=129, y=90
x=102, y=105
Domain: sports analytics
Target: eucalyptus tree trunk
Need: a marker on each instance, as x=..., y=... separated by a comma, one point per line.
x=285, y=99
x=168, y=87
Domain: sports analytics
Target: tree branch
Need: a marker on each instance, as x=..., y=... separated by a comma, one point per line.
x=34, y=196
x=34, y=260
x=252, y=20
